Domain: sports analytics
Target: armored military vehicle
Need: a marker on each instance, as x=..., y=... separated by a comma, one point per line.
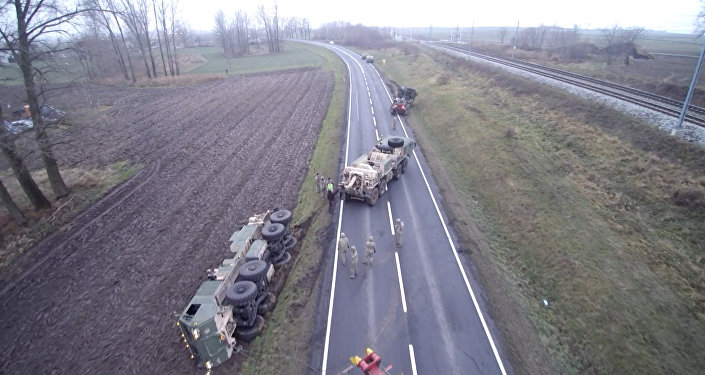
x=367, y=177
x=230, y=304
x=403, y=101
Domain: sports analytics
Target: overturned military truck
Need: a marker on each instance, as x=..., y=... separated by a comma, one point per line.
x=367, y=177
x=229, y=305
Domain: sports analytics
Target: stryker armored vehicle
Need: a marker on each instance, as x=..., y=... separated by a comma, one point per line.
x=230, y=304
x=367, y=177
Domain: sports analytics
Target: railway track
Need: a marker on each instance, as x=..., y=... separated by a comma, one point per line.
x=658, y=103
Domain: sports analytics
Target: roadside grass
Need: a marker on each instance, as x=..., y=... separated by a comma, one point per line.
x=566, y=200
x=87, y=185
x=284, y=346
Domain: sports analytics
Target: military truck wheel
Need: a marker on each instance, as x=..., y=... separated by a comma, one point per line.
x=398, y=171
x=273, y=232
x=267, y=305
x=404, y=164
x=289, y=243
x=382, y=186
x=395, y=142
x=282, y=217
x=372, y=200
x=283, y=259
x=248, y=334
x=253, y=270
x=240, y=293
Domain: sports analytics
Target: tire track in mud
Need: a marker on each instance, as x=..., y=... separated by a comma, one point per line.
x=106, y=307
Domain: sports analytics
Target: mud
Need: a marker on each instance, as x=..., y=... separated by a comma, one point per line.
x=98, y=296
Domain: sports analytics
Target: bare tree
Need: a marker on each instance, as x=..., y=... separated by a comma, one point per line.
x=162, y=10
x=611, y=37
x=11, y=206
x=503, y=34
x=221, y=31
x=136, y=17
x=35, y=23
x=30, y=188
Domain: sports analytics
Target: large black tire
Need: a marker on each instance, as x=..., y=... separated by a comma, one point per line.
x=240, y=293
x=382, y=186
x=282, y=259
x=253, y=270
x=290, y=243
x=395, y=142
x=404, y=164
x=248, y=334
x=267, y=305
x=398, y=171
x=273, y=232
x=372, y=199
x=282, y=217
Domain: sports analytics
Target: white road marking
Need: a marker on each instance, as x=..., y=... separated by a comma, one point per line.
x=374, y=120
x=370, y=101
x=373, y=110
x=335, y=258
x=391, y=221
x=376, y=133
x=401, y=283
x=413, y=360
x=452, y=246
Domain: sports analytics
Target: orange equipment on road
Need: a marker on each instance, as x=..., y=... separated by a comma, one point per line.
x=371, y=364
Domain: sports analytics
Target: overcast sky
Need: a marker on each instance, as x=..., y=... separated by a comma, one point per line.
x=670, y=15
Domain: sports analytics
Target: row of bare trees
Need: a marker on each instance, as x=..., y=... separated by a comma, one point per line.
x=235, y=34
x=355, y=35
x=117, y=34
x=546, y=37
x=620, y=41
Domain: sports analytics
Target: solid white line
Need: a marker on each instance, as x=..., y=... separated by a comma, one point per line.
x=413, y=359
x=335, y=258
x=391, y=221
x=452, y=246
x=401, y=283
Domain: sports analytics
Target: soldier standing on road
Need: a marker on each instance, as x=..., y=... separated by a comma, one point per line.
x=329, y=184
x=353, y=262
x=317, y=178
x=331, y=197
x=370, y=250
x=343, y=246
x=398, y=231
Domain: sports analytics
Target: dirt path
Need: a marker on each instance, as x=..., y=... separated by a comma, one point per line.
x=101, y=298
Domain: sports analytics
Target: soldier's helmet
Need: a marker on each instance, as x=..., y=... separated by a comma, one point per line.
x=352, y=249
x=398, y=221
x=342, y=235
x=371, y=238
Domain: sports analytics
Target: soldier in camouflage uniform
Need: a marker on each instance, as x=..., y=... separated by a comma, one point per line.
x=369, y=251
x=322, y=186
x=353, y=262
x=343, y=246
x=398, y=231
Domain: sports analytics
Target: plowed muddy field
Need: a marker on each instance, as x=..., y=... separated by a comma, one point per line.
x=98, y=296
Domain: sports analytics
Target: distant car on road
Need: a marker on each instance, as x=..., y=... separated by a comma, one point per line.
x=370, y=59
x=332, y=42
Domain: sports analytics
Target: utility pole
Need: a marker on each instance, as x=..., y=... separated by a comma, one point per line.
x=472, y=32
x=516, y=32
x=686, y=103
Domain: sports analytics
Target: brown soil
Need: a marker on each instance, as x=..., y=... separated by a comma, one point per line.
x=98, y=296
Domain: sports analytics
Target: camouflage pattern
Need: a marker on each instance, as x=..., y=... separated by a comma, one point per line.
x=370, y=250
x=398, y=231
x=353, y=262
x=343, y=246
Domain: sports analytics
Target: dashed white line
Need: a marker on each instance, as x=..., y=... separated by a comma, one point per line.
x=452, y=246
x=391, y=221
x=413, y=359
x=373, y=110
x=370, y=101
x=401, y=283
x=376, y=133
x=374, y=120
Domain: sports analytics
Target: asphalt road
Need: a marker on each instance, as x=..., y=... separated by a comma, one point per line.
x=419, y=307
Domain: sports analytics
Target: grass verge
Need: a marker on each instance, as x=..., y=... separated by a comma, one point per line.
x=87, y=185
x=562, y=199
x=283, y=347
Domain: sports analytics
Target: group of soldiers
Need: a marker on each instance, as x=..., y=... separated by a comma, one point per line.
x=370, y=248
x=327, y=189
